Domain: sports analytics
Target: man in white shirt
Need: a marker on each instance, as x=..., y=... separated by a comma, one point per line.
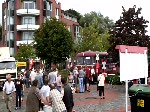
x=52, y=77
x=45, y=90
x=8, y=91
x=32, y=75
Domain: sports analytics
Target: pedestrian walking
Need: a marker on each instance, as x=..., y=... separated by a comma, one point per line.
x=39, y=78
x=22, y=90
x=27, y=78
x=19, y=85
x=8, y=92
x=93, y=75
x=81, y=79
x=67, y=95
x=75, y=74
x=87, y=78
x=101, y=83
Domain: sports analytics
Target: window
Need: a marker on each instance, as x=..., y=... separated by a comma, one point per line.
x=11, y=27
x=57, y=11
x=29, y=5
x=11, y=35
x=11, y=12
x=87, y=61
x=4, y=12
x=12, y=43
x=7, y=65
x=50, y=4
x=80, y=61
x=5, y=24
x=28, y=20
x=44, y=4
x=11, y=5
x=27, y=35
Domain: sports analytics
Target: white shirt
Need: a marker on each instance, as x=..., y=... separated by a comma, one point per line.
x=92, y=71
x=9, y=87
x=101, y=80
x=45, y=90
x=32, y=75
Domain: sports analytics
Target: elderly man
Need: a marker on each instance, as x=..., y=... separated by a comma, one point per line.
x=8, y=91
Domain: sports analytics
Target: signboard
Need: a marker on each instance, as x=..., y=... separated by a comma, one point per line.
x=133, y=65
x=97, y=56
x=19, y=64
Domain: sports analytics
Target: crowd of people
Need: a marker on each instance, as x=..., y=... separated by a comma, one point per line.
x=51, y=89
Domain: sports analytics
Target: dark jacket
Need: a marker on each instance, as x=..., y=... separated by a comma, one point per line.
x=68, y=96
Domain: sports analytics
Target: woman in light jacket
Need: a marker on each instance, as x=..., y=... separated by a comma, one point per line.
x=101, y=83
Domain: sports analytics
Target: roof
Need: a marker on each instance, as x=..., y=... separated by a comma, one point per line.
x=91, y=53
x=66, y=12
x=131, y=49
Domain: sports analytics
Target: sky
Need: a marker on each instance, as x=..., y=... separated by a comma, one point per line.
x=110, y=8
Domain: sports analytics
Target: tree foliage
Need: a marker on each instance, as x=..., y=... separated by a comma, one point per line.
x=104, y=22
x=91, y=39
x=75, y=13
x=53, y=41
x=0, y=32
x=130, y=30
x=25, y=52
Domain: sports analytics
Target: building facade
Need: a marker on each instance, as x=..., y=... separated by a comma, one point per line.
x=20, y=18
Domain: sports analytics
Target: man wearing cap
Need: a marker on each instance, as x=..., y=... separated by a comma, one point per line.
x=19, y=87
x=8, y=90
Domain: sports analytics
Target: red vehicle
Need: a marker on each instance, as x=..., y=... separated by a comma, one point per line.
x=89, y=58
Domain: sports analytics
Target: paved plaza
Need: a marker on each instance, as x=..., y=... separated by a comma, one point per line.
x=90, y=101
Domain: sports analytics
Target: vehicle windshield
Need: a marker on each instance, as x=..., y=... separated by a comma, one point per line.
x=7, y=65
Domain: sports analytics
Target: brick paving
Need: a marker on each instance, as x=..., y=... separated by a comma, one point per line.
x=90, y=101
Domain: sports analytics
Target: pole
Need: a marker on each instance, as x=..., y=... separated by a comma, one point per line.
x=126, y=95
x=27, y=28
x=146, y=66
x=9, y=25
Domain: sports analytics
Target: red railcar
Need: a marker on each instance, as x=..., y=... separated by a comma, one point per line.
x=89, y=58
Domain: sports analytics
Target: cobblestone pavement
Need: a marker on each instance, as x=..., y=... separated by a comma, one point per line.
x=90, y=101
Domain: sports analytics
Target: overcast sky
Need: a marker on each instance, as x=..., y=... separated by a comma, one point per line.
x=110, y=8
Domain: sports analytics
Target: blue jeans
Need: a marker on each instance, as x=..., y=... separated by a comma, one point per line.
x=27, y=82
x=81, y=84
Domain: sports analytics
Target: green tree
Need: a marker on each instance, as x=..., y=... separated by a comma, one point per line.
x=128, y=30
x=0, y=32
x=75, y=13
x=104, y=22
x=25, y=52
x=53, y=41
x=90, y=39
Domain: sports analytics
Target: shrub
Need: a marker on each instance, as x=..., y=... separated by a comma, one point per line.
x=114, y=79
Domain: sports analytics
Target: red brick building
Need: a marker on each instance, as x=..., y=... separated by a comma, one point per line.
x=21, y=17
